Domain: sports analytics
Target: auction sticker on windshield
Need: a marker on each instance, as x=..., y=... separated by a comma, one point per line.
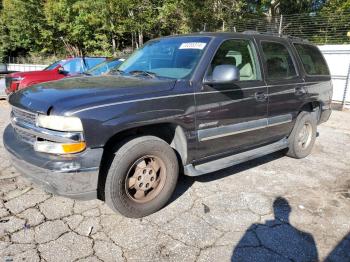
x=193, y=45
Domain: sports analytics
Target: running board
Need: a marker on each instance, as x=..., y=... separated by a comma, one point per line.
x=222, y=163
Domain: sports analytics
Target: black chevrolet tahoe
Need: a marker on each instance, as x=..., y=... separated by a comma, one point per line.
x=190, y=104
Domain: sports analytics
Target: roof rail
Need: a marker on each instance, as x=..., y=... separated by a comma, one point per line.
x=296, y=38
x=252, y=32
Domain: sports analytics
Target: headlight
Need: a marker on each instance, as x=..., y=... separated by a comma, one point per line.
x=60, y=123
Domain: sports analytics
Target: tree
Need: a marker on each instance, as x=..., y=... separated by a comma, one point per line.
x=336, y=6
x=102, y=27
x=172, y=18
x=336, y=14
x=20, y=26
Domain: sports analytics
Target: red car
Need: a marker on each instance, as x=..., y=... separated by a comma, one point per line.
x=56, y=71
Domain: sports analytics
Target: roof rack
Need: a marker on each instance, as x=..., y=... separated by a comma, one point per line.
x=252, y=32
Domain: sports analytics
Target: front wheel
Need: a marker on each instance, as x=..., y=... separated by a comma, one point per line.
x=142, y=177
x=303, y=136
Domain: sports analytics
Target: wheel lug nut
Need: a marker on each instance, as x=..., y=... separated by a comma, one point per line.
x=141, y=184
x=139, y=178
x=147, y=185
x=150, y=172
x=152, y=178
x=144, y=171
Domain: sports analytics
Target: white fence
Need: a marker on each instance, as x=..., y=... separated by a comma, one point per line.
x=338, y=59
x=25, y=67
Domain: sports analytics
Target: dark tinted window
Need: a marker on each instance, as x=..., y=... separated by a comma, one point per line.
x=312, y=59
x=278, y=61
x=239, y=53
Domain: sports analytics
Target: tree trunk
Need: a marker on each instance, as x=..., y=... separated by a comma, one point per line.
x=132, y=41
x=140, y=38
x=114, y=46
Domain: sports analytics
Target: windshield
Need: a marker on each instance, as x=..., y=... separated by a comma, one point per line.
x=104, y=67
x=54, y=65
x=168, y=57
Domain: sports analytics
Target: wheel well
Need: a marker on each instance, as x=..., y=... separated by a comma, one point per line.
x=171, y=133
x=313, y=107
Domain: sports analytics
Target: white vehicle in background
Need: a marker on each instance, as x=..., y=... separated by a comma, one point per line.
x=2, y=89
x=3, y=71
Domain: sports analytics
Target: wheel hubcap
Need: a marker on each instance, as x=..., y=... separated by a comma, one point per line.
x=305, y=136
x=145, y=179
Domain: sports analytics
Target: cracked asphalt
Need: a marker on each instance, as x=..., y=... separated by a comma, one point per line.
x=271, y=209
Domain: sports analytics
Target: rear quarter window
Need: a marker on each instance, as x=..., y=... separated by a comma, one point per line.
x=312, y=59
x=278, y=61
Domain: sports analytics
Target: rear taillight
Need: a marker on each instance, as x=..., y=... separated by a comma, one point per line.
x=12, y=84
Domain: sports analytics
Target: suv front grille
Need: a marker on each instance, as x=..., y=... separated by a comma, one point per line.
x=24, y=116
x=24, y=124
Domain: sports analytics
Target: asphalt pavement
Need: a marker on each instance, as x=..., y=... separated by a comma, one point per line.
x=271, y=209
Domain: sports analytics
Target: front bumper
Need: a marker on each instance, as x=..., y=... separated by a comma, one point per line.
x=74, y=176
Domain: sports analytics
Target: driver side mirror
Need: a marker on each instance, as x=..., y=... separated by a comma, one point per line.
x=224, y=74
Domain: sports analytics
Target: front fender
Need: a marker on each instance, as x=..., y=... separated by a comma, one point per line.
x=98, y=133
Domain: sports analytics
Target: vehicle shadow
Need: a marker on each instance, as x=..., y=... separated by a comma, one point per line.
x=185, y=182
x=276, y=240
x=341, y=253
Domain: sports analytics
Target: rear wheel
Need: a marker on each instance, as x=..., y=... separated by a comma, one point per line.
x=303, y=136
x=142, y=177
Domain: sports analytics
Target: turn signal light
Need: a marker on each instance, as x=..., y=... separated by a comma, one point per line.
x=59, y=148
x=74, y=148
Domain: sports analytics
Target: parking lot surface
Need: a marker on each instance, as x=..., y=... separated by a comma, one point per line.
x=271, y=209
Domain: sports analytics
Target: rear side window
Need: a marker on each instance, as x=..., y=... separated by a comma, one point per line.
x=312, y=59
x=278, y=60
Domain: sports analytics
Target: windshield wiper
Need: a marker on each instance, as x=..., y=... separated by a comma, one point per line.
x=144, y=73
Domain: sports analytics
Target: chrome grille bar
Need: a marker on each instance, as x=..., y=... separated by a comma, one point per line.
x=55, y=136
x=24, y=123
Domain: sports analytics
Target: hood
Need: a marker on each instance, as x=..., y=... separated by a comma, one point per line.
x=70, y=94
x=29, y=73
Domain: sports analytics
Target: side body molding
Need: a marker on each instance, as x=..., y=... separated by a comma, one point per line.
x=222, y=131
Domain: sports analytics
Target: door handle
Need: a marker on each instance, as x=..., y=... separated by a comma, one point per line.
x=299, y=91
x=260, y=96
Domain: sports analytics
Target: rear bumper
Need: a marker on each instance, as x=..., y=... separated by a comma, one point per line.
x=74, y=176
x=326, y=112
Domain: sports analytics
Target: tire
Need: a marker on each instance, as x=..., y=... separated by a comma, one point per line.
x=148, y=157
x=299, y=145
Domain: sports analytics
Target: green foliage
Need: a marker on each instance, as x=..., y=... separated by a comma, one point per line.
x=336, y=6
x=103, y=27
x=333, y=13
x=20, y=25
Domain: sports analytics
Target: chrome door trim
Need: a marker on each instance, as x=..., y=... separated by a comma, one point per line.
x=229, y=130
